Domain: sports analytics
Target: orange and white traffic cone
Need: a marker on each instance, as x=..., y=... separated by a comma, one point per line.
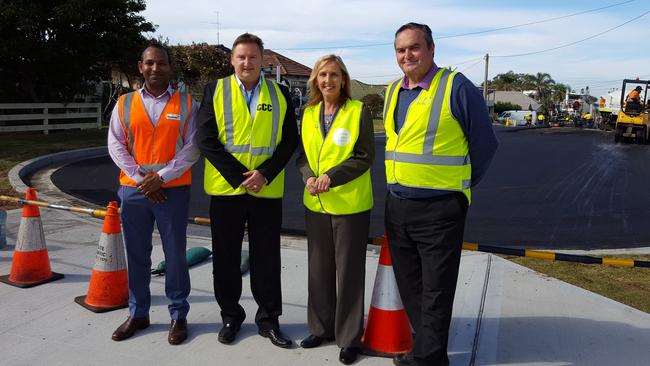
x=31, y=263
x=388, y=331
x=108, y=289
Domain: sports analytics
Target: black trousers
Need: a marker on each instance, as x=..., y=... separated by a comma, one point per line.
x=229, y=216
x=425, y=238
x=337, y=271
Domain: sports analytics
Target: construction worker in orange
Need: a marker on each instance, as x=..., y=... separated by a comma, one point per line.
x=430, y=184
x=151, y=140
x=634, y=95
x=31, y=262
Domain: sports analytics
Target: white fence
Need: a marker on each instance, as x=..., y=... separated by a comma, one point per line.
x=49, y=116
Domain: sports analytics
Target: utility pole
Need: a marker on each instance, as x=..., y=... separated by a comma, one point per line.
x=218, y=40
x=485, y=80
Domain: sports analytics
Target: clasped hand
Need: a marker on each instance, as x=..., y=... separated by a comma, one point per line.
x=151, y=187
x=254, y=181
x=318, y=185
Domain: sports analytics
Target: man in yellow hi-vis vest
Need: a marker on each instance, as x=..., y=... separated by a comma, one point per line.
x=247, y=132
x=439, y=142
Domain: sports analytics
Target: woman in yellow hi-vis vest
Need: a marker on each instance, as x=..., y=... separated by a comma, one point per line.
x=337, y=151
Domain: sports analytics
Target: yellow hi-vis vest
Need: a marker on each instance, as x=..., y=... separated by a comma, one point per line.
x=251, y=142
x=325, y=153
x=431, y=150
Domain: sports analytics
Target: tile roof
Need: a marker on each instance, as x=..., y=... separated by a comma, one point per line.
x=288, y=66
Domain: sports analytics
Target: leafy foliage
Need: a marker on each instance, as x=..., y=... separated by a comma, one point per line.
x=547, y=91
x=52, y=50
x=200, y=63
x=500, y=107
x=375, y=104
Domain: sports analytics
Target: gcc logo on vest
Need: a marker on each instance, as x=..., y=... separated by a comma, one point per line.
x=265, y=107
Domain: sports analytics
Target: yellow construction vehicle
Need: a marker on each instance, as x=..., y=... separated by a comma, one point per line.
x=633, y=122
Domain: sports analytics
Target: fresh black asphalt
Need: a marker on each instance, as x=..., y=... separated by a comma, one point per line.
x=546, y=188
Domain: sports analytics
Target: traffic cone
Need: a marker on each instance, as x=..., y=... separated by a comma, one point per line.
x=31, y=263
x=388, y=331
x=108, y=289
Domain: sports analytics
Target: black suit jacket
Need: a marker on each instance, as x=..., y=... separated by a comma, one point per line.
x=207, y=139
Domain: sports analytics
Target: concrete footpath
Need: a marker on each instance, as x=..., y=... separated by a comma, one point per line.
x=504, y=314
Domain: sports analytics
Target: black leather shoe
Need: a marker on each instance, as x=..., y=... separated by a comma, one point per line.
x=348, y=355
x=177, y=332
x=403, y=359
x=228, y=332
x=314, y=341
x=276, y=337
x=129, y=327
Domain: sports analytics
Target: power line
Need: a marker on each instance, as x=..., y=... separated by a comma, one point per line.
x=536, y=22
x=472, y=65
x=477, y=59
x=468, y=61
x=575, y=42
x=367, y=45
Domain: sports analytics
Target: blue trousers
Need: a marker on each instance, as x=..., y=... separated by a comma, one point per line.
x=138, y=215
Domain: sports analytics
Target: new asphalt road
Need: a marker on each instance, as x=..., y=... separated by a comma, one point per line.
x=547, y=188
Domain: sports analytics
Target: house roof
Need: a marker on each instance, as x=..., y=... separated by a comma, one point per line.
x=360, y=89
x=515, y=97
x=288, y=66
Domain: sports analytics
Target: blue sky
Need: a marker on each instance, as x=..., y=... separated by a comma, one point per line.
x=301, y=30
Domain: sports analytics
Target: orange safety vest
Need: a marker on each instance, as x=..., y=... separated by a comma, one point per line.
x=633, y=96
x=154, y=147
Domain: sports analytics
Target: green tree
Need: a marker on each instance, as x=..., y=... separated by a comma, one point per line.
x=54, y=50
x=500, y=107
x=375, y=104
x=505, y=82
x=558, y=92
x=199, y=63
x=543, y=84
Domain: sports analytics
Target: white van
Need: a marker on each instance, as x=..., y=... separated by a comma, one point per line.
x=518, y=118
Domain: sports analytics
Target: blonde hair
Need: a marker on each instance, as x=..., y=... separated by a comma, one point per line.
x=315, y=95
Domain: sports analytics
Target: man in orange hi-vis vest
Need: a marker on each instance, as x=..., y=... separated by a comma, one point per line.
x=150, y=140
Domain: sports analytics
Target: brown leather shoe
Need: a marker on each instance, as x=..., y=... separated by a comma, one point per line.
x=177, y=331
x=129, y=327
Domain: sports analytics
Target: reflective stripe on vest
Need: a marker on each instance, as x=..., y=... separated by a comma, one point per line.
x=325, y=153
x=228, y=121
x=144, y=158
x=249, y=141
x=184, y=114
x=417, y=163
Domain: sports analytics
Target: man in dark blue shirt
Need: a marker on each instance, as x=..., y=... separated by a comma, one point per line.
x=425, y=218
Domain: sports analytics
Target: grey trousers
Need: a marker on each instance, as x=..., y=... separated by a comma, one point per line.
x=337, y=271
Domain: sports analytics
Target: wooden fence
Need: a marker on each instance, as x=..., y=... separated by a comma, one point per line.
x=49, y=116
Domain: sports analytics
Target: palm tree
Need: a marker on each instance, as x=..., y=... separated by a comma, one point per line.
x=543, y=83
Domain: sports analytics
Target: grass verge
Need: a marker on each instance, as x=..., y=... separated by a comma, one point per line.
x=630, y=286
x=18, y=147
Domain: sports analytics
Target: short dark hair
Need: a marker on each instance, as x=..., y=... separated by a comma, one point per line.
x=428, y=36
x=156, y=44
x=249, y=38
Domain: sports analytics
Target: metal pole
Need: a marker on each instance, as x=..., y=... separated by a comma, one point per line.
x=485, y=80
x=277, y=74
